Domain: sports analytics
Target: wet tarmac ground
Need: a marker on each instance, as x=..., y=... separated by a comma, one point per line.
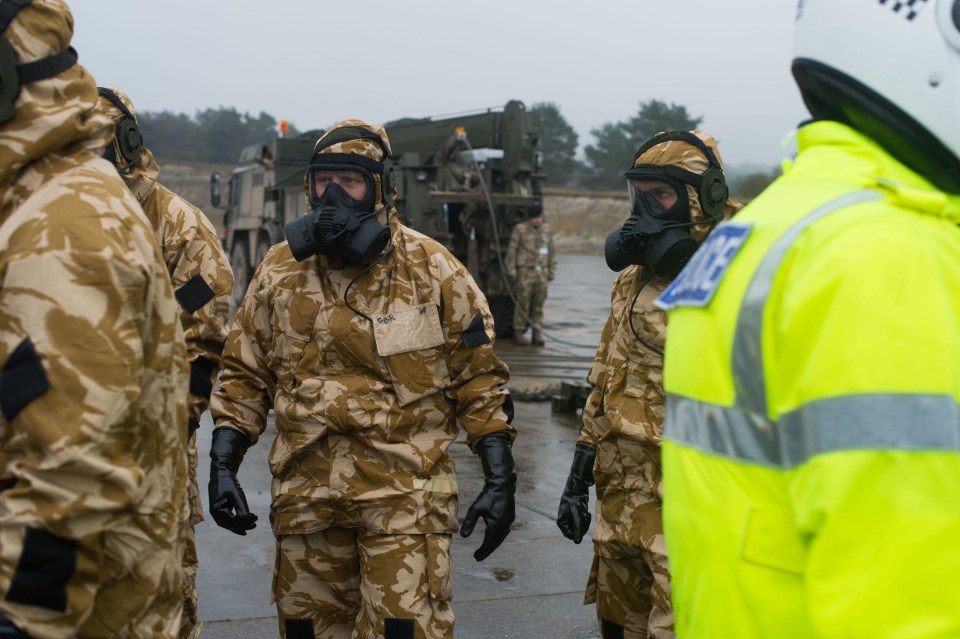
x=532, y=586
x=578, y=302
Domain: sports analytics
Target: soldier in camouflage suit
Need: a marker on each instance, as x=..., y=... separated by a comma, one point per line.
x=370, y=365
x=202, y=283
x=93, y=471
x=619, y=443
x=531, y=262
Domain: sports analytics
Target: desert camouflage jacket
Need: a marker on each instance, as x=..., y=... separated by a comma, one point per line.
x=200, y=273
x=366, y=407
x=202, y=283
x=93, y=428
x=623, y=416
x=531, y=248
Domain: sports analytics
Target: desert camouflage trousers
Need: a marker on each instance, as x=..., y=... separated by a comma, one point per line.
x=347, y=583
x=530, y=289
x=631, y=587
x=189, y=624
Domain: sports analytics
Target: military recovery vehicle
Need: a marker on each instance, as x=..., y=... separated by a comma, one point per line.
x=463, y=179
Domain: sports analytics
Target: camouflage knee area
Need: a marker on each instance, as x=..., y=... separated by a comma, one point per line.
x=522, y=290
x=316, y=584
x=406, y=587
x=636, y=581
x=538, y=296
x=624, y=588
x=660, y=624
x=404, y=591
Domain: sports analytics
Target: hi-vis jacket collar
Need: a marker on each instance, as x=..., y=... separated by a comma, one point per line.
x=846, y=150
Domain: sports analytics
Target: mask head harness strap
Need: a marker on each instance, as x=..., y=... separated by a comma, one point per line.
x=13, y=74
x=345, y=160
x=127, y=133
x=711, y=185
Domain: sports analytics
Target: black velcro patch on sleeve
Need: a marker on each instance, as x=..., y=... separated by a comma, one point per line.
x=475, y=334
x=46, y=565
x=298, y=629
x=398, y=628
x=201, y=377
x=23, y=379
x=194, y=294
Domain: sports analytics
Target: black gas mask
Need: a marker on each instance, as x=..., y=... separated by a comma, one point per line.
x=655, y=236
x=338, y=225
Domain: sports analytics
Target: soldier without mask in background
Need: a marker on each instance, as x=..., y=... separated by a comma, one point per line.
x=202, y=282
x=373, y=346
x=93, y=435
x=531, y=264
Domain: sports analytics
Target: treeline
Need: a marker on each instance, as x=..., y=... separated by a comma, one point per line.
x=218, y=135
x=214, y=135
x=614, y=145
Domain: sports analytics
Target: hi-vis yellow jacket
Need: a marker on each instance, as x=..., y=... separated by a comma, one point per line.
x=812, y=438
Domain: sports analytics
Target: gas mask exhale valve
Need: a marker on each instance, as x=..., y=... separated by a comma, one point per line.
x=338, y=226
x=652, y=236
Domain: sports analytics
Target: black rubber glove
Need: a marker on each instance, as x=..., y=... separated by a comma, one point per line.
x=228, y=505
x=573, y=517
x=495, y=503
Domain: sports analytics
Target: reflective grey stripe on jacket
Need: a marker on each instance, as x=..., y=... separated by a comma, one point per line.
x=743, y=432
x=856, y=422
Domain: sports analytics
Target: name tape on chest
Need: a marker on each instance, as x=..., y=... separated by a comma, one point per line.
x=408, y=330
x=699, y=280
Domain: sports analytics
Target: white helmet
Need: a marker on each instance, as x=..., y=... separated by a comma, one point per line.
x=891, y=70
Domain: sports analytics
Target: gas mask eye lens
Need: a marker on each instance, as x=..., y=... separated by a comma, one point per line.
x=660, y=197
x=353, y=185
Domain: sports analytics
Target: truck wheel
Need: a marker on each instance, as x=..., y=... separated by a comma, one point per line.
x=240, y=263
x=501, y=307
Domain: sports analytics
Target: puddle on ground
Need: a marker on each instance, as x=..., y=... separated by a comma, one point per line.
x=503, y=574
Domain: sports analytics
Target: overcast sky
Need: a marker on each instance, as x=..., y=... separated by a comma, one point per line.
x=314, y=62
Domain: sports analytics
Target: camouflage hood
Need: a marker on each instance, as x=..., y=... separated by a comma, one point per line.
x=52, y=113
x=141, y=178
x=685, y=155
x=345, y=138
